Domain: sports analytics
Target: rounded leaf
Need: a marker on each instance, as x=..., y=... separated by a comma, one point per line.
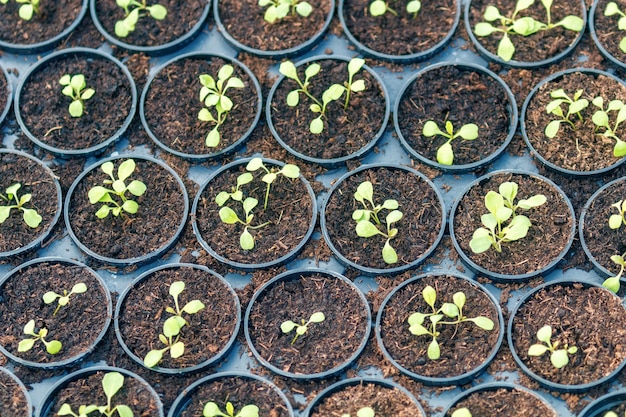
x=559, y=358
x=76, y=108
x=365, y=228
x=430, y=295
x=544, y=334
x=393, y=217
x=246, y=240
x=506, y=49
x=468, y=131
x=153, y=358
x=459, y=299
x=304, y=9
x=290, y=171
x=32, y=218
x=484, y=323
x=26, y=345
x=431, y=129
x=177, y=350
x=389, y=254
x=450, y=310
x=445, y=155
x=317, y=317
x=158, y=12
x=130, y=206
x=176, y=288
x=316, y=126
x=54, y=347
x=484, y=29
x=228, y=215
x=537, y=350
x=552, y=128
x=612, y=284
x=433, y=350
x=534, y=201
x=288, y=69
x=619, y=149
x=615, y=221
x=49, y=297
x=491, y=14
x=287, y=326
x=573, y=23
x=193, y=307
x=211, y=410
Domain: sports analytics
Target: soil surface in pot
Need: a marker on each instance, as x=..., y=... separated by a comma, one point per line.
x=76, y=325
x=289, y=210
x=580, y=316
x=13, y=402
x=403, y=34
x=35, y=180
x=540, y=46
x=181, y=17
x=417, y=230
x=45, y=111
x=54, y=18
x=461, y=96
x=504, y=402
x=207, y=332
x=243, y=20
x=582, y=148
x=345, y=130
x=607, y=29
x=546, y=238
x=161, y=210
x=464, y=347
x=325, y=345
x=172, y=105
x=4, y=94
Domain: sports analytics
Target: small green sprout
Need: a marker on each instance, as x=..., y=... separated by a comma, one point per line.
x=613, y=283
x=288, y=170
x=27, y=9
x=211, y=409
x=52, y=347
x=172, y=327
x=558, y=357
x=445, y=155
x=437, y=317
x=213, y=94
x=380, y=7
x=602, y=119
x=99, y=194
x=229, y=216
x=112, y=382
x=288, y=325
x=63, y=300
x=139, y=9
x=502, y=208
x=362, y=412
x=279, y=9
x=75, y=87
x=30, y=216
x=616, y=220
x=613, y=9
x=574, y=106
x=462, y=412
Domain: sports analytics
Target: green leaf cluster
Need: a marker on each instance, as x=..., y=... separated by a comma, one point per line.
x=445, y=155
x=133, y=10
x=52, y=347
x=380, y=7
x=425, y=324
x=558, y=357
x=601, y=118
x=30, y=216
x=75, y=87
x=280, y=9
x=63, y=299
x=99, y=194
x=613, y=283
x=502, y=223
x=574, y=104
x=287, y=326
x=613, y=9
x=28, y=8
x=211, y=409
x=617, y=220
x=112, y=382
x=362, y=412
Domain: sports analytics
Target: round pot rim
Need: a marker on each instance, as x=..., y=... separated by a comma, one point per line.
x=377, y=271
x=179, y=402
x=451, y=380
x=85, y=372
x=496, y=276
x=74, y=359
x=60, y=55
x=146, y=275
x=33, y=48
x=252, y=266
x=44, y=234
x=604, y=402
x=294, y=275
x=543, y=381
x=458, y=167
x=328, y=162
x=535, y=153
x=525, y=64
x=138, y=260
x=22, y=387
x=592, y=29
x=201, y=56
x=155, y=50
x=272, y=54
x=4, y=111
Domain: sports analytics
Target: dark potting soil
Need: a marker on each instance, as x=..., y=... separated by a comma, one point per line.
x=345, y=131
x=325, y=345
x=4, y=94
x=181, y=17
x=539, y=46
x=289, y=210
x=417, y=230
x=45, y=111
x=54, y=18
x=464, y=347
x=208, y=331
x=243, y=20
x=582, y=148
x=161, y=210
x=546, y=238
x=13, y=402
x=403, y=34
x=580, y=316
x=35, y=180
x=459, y=95
x=504, y=402
x=607, y=29
x=76, y=325
x=172, y=105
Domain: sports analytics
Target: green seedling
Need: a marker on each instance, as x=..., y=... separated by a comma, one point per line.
x=30, y=216
x=445, y=155
x=574, y=106
x=75, y=87
x=213, y=95
x=613, y=9
x=502, y=223
x=288, y=325
x=52, y=347
x=380, y=7
x=602, y=119
x=439, y=317
x=172, y=327
x=112, y=382
x=280, y=9
x=288, y=170
x=558, y=357
x=617, y=220
x=368, y=219
x=229, y=216
x=462, y=412
x=613, y=283
x=362, y=412
x=332, y=93
x=211, y=409
x=133, y=11
x=99, y=194
x=63, y=299
x=28, y=8
x=513, y=24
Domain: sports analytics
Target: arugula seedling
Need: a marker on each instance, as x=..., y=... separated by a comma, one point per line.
x=574, y=106
x=462, y=412
x=288, y=170
x=613, y=283
x=558, y=357
x=362, y=412
x=616, y=220
x=288, y=325
x=445, y=155
x=139, y=9
x=602, y=120
x=99, y=194
x=63, y=300
x=75, y=87
x=613, y=9
x=28, y=8
x=229, y=216
x=30, y=216
x=52, y=347
x=380, y=7
x=279, y=9
x=211, y=409
x=112, y=382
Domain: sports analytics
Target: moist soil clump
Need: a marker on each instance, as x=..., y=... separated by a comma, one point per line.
x=13, y=402
x=504, y=402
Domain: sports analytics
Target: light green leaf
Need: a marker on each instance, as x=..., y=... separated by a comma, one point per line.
x=573, y=23
x=177, y=350
x=287, y=326
x=365, y=228
x=103, y=212
x=304, y=9
x=491, y=14
x=228, y=215
x=130, y=206
x=49, y=297
x=157, y=11
x=534, y=201
x=552, y=128
x=32, y=218
x=246, y=240
x=378, y=8
x=481, y=241
x=493, y=202
x=418, y=330
x=612, y=284
x=506, y=49
x=559, y=358
x=445, y=155
x=153, y=358
x=615, y=221
x=468, y=131
x=312, y=70
x=193, y=307
x=76, y=108
x=544, y=334
x=484, y=323
x=5, y=212
x=431, y=129
x=517, y=229
x=136, y=188
x=288, y=69
x=433, y=350
x=600, y=118
x=211, y=410
x=611, y=9
x=213, y=138
x=389, y=254
x=25, y=345
x=450, y=310
x=316, y=125
x=537, y=350
x=619, y=149
x=355, y=65
x=413, y=6
x=176, y=288
x=249, y=410
x=26, y=11
x=484, y=29
x=126, y=169
x=508, y=190
x=358, y=85
x=54, y=347
x=225, y=72
x=317, y=317
x=124, y=411
x=459, y=299
x=416, y=318
x=393, y=217
x=430, y=295
x=579, y=105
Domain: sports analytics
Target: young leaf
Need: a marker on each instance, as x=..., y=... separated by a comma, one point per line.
x=287, y=326
x=317, y=317
x=152, y=358
x=434, y=351
x=389, y=254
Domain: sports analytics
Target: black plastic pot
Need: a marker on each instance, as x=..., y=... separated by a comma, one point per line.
x=604, y=404
x=4, y=110
x=593, y=14
x=21, y=396
x=74, y=54
x=295, y=275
